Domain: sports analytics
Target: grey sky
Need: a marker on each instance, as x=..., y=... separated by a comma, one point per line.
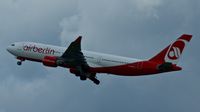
x=132, y=28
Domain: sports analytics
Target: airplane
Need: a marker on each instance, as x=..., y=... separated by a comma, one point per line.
x=86, y=64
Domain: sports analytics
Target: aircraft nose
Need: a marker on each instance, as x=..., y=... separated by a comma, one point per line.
x=9, y=48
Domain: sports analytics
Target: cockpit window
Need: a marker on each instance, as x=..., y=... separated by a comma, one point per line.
x=12, y=44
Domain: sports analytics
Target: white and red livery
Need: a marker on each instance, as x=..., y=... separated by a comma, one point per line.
x=86, y=64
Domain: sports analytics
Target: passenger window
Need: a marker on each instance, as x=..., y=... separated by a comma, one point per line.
x=12, y=44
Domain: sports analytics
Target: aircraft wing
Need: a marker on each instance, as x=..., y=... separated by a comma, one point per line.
x=75, y=60
x=73, y=56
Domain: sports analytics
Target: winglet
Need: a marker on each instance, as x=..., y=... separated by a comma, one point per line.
x=78, y=40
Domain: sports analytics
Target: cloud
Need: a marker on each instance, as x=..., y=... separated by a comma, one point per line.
x=132, y=28
x=70, y=27
x=101, y=21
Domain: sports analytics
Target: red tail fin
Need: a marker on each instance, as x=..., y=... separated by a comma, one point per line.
x=172, y=52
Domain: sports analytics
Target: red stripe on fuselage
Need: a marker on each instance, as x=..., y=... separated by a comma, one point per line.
x=30, y=59
x=133, y=69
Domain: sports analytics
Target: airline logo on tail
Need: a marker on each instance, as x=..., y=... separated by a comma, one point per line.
x=176, y=49
x=173, y=52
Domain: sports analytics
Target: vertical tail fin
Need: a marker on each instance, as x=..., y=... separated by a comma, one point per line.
x=173, y=52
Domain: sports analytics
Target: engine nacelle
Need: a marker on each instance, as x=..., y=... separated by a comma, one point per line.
x=50, y=61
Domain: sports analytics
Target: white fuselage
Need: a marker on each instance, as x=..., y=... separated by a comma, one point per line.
x=37, y=51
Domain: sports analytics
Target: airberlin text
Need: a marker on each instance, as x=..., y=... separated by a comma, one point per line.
x=33, y=48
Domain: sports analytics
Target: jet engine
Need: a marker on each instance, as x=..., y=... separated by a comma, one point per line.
x=50, y=61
